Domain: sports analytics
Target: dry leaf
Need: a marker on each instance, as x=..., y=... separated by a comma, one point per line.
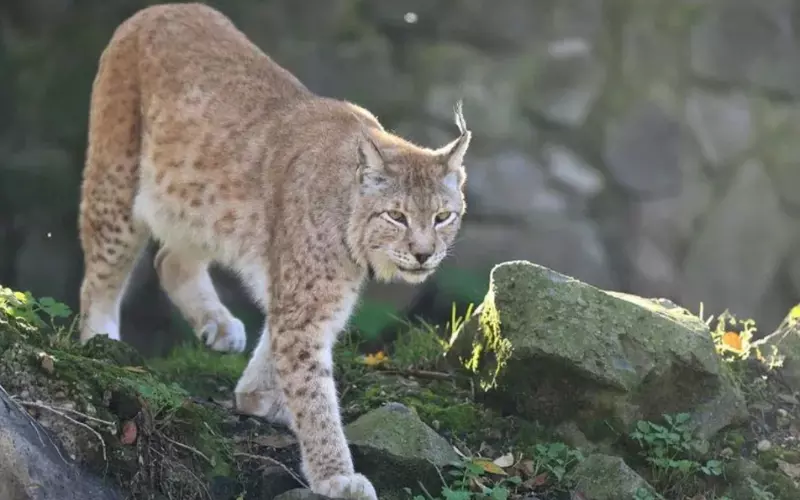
x=476, y=484
x=732, y=340
x=506, y=460
x=527, y=467
x=540, y=479
x=791, y=470
x=489, y=466
x=47, y=362
x=129, y=432
x=375, y=359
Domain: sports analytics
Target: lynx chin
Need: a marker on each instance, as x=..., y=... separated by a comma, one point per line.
x=201, y=141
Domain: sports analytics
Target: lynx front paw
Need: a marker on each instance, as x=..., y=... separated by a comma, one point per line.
x=351, y=487
x=223, y=334
x=269, y=405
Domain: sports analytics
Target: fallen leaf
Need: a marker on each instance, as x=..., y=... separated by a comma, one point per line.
x=47, y=362
x=489, y=466
x=527, y=467
x=540, y=479
x=506, y=460
x=732, y=340
x=375, y=359
x=129, y=432
x=791, y=470
x=789, y=398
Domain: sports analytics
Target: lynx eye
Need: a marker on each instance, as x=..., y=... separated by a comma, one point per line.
x=396, y=216
x=442, y=217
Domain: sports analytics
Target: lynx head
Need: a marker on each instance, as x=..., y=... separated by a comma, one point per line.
x=409, y=204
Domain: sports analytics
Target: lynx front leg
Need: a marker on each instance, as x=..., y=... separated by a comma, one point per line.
x=303, y=329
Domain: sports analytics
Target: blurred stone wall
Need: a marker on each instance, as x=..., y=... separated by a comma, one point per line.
x=649, y=147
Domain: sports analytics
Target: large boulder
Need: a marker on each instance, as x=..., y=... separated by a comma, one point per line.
x=557, y=350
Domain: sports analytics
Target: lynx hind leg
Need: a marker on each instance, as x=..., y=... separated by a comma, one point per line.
x=111, y=242
x=257, y=392
x=303, y=328
x=110, y=237
x=185, y=279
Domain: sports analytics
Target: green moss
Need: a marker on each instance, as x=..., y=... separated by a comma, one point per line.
x=200, y=370
x=178, y=441
x=748, y=477
x=734, y=439
x=769, y=459
x=443, y=406
x=419, y=347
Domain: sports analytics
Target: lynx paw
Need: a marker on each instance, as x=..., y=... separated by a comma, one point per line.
x=352, y=487
x=227, y=334
x=269, y=405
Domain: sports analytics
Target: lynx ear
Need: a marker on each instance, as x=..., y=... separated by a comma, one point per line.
x=371, y=164
x=453, y=154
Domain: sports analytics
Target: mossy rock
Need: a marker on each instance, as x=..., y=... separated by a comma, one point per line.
x=604, y=477
x=395, y=449
x=552, y=348
x=750, y=481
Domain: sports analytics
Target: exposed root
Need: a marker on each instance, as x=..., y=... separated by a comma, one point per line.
x=76, y=422
x=187, y=447
x=274, y=462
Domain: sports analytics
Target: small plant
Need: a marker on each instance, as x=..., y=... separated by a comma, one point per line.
x=471, y=480
x=419, y=347
x=23, y=306
x=644, y=494
x=730, y=344
x=669, y=450
x=556, y=459
x=507, y=476
x=758, y=491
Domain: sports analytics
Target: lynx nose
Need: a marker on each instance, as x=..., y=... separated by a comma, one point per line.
x=422, y=257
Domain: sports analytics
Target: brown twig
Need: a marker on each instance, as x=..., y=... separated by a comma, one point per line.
x=34, y=424
x=275, y=462
x=61, y=408
x=70, y=419
x=187, y=448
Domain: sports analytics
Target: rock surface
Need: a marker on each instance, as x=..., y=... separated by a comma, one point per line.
x=553, y=348
x=33, y=467
x=394, y=448
x=603, y=477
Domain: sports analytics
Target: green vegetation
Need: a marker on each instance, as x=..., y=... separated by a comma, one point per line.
x=155, y=412
x=671, y=452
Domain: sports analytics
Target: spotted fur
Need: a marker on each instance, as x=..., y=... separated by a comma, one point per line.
x=200, y=140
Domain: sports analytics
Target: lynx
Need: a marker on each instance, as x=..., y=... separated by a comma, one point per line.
x=201, y=141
